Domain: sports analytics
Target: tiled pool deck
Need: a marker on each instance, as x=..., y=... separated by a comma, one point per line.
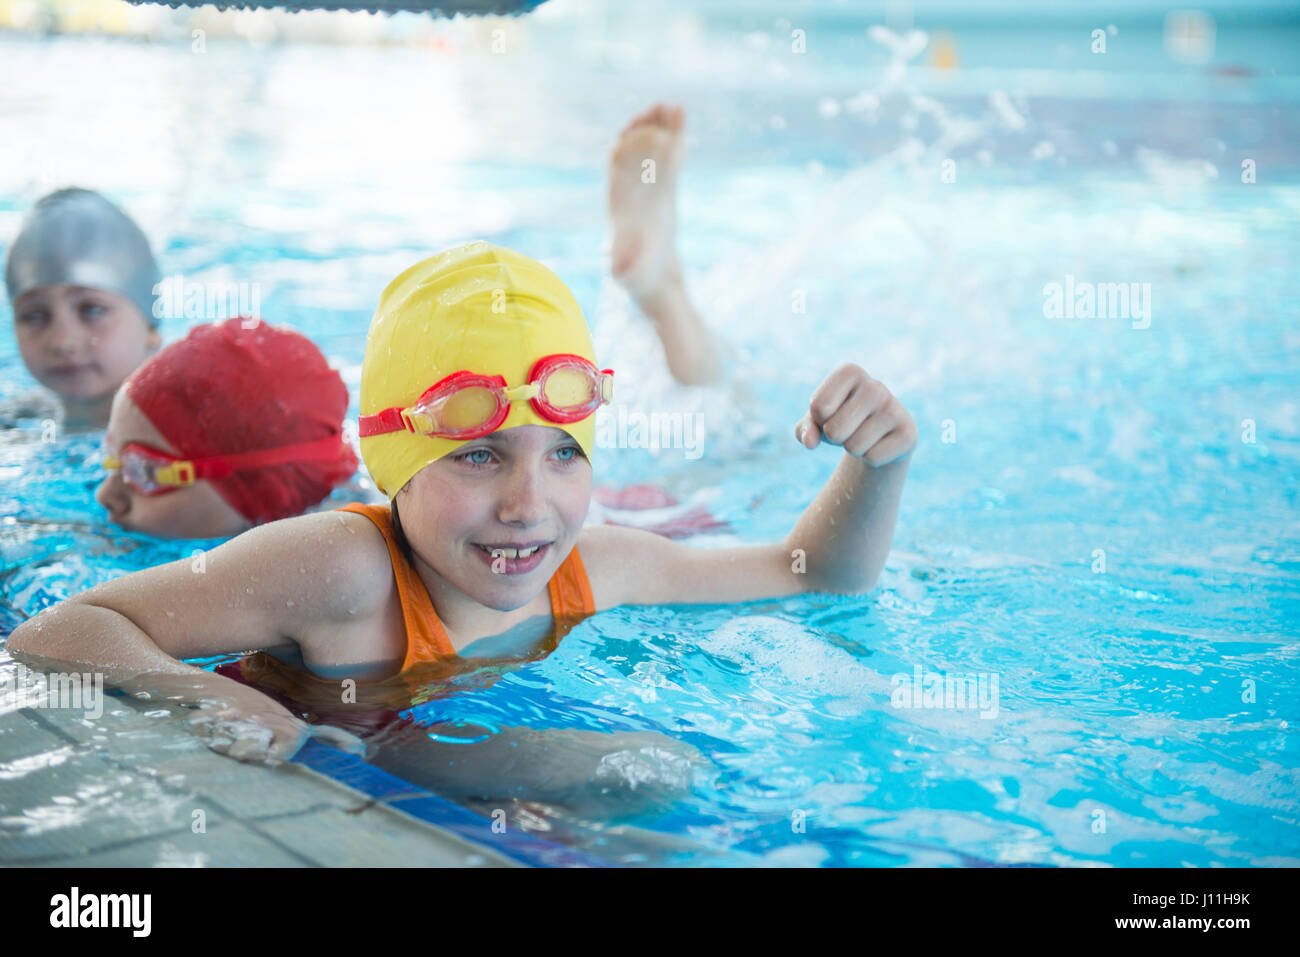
x=123, y=790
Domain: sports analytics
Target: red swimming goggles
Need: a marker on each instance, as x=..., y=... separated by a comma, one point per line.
x=151, y=471
x=562, y=388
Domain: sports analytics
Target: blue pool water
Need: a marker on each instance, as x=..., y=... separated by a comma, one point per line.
x=1102, y=513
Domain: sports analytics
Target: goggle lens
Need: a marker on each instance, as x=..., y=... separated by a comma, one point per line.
x=568, y=388
x=467, y=409
x=139, y=470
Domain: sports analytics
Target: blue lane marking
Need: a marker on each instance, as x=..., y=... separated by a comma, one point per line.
x=369, y=780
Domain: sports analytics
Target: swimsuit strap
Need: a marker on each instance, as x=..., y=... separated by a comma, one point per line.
x=570, y=590
x=426, y=639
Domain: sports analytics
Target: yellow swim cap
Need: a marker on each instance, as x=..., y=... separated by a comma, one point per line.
x=477, y=307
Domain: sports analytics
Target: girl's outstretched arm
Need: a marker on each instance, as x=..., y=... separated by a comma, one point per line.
x=839, y=544
x=277, y=586
x=847, y=530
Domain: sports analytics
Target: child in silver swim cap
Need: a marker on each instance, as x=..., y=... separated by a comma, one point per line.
x=81, y=280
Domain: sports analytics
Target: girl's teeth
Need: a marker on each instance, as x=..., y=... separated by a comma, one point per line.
x=514, y=552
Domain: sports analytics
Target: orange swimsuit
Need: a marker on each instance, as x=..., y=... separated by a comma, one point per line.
x=426, y=639
x=429, y=657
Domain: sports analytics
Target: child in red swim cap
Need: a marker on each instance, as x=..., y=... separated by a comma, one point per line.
x=237, y=424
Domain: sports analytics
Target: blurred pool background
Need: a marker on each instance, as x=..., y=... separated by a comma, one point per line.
x=1101, y=513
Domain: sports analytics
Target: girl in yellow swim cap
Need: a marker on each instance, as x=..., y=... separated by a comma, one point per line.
x=477, y=398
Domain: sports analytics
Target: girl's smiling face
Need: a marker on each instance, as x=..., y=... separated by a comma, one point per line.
x=516, y=489
x=196, y=511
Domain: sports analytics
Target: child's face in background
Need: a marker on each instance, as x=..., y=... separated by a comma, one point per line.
x=195, y=511
x=82, y=343
x=519, y=486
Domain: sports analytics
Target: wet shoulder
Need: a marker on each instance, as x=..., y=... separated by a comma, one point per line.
x=355, y=627
x=339, y=561
x=612, y=555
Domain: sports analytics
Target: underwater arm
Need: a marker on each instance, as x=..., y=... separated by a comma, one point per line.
x=591, y=770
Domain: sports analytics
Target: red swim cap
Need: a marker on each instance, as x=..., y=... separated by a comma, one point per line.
x=242, y=386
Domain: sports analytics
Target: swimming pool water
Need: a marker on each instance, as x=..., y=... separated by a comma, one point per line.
x=1101, y=515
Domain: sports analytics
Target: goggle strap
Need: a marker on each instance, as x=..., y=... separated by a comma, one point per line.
x=177, y=474
x=381, y=423
x=330, y=447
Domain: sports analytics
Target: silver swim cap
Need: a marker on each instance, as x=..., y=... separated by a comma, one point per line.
x=78, y=237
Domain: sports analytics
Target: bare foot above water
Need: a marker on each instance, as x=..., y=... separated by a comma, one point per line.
x=643, y=170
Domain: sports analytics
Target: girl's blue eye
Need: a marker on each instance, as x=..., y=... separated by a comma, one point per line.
x=567, y=455
x=93, y=310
